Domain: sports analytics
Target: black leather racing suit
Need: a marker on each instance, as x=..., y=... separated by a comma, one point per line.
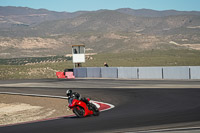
x=78, y=96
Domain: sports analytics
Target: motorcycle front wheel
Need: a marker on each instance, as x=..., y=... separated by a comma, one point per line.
x=79, y=111
x=95, y=110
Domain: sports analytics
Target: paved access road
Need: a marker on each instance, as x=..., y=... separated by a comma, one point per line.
x=139, y=104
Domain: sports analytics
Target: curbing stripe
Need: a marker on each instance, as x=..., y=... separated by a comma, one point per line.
x=111, y=106
x=38, y=95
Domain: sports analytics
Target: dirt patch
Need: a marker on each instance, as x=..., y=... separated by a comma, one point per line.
x=191, y=46
x=17, y=109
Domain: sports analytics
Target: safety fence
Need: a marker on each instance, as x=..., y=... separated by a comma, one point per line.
x=177, y=72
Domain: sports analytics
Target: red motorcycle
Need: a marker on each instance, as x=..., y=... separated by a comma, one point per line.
x=80, y=108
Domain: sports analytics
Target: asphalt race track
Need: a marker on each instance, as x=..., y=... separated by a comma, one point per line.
x=139, y=104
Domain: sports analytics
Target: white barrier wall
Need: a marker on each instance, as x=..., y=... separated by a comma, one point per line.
x=93, y=72
x=80, y=72
x=195, y=72
x=150, y=73
x=180, y=72
x=127, y=72
x=109, y=72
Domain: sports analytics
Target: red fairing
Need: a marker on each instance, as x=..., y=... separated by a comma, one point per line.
x=88, y=99
x=78, y=103
x=73, y=103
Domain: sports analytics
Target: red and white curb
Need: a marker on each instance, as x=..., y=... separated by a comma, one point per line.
x=101, y=105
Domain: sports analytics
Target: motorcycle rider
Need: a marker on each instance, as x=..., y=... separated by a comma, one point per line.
x=71, y=94
x=77, y=96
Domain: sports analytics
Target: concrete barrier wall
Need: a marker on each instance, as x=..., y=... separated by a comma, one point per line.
x=75, y=70
x=176, y=72
x=93, y=72
x=179, y=72
x=127, y=72
x=195, y=72
x=109, y=72
x=80, y=72
x=150, y=73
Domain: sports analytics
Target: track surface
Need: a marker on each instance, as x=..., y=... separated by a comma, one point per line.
x=138, y=104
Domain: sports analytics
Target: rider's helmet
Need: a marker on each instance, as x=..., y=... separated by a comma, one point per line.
x=68, y=92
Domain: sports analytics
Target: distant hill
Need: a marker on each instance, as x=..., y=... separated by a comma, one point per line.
x=16, y=16
x=31, y=32
x=154, y=13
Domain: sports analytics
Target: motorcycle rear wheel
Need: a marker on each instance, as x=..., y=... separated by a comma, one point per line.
x=79, y=111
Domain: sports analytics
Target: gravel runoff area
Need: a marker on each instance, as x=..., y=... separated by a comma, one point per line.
x=18, y=109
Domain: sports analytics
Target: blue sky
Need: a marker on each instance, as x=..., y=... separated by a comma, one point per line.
x=90, y=5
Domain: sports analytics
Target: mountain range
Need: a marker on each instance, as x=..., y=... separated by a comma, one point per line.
x=26, y=32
